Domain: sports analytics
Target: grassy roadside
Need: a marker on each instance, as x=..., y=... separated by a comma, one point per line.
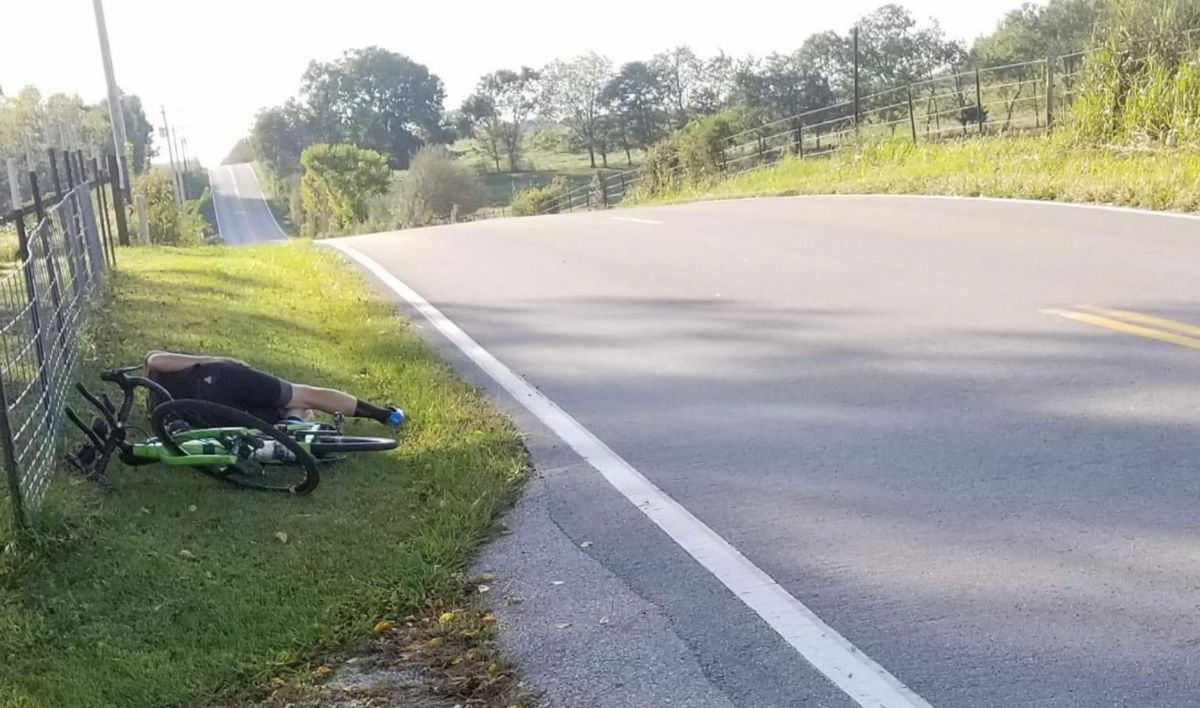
x=1028, y=167
x=174, y=590
x=277, y=199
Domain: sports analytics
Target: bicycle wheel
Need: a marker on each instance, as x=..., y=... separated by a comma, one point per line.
x=331, y=443
x=295, y=473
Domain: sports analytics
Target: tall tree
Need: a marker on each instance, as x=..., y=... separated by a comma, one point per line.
x=375, y=99
x=280, y=135
x=498, y=110
x=1033, y=32
x=481, y=120
x=785, y=87
x=572, y=94
x=635, y=98
x=682, y=74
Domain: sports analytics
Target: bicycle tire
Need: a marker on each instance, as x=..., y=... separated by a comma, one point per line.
x=234, y=474
x=328, y=444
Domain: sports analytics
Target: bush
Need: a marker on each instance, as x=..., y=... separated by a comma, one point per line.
x=1142, y=80
x=434, y=185
x=170, y=223
x=695, y=155
x=337, y=184
x=539, y=200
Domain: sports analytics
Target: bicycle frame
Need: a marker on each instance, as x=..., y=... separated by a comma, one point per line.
x=203, y=447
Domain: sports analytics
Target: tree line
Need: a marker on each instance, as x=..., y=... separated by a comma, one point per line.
x=376, y=99
x=31, y=124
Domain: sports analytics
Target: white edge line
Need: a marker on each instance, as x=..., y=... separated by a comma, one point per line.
x=216, y=209
x=267, y=204
x=636, y=221
x=947, y=197
x=856, y=674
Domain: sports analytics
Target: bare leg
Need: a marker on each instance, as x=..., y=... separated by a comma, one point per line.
x=321, y=399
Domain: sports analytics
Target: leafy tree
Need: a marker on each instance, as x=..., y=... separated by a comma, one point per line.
x=634, y=97
x=374, y=99
x=434, y=186
x=717, y=84
x=1035, y=31
x=496, y=113
x=782, y=85
x=682, y=75
x=280, y=135
x=481, y=120
x=338, y=181
x=572, y=93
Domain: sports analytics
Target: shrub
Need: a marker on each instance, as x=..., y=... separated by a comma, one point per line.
x=337, y=184
x=433, y=186
x=170, y=223
x=695, y=155
x=538, y=200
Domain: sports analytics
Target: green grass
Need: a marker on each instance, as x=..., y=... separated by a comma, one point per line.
x=1045, y=167
x=102, y=608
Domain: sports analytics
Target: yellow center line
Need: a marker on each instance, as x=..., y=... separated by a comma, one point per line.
x=1127, y=328
x=1160, y=322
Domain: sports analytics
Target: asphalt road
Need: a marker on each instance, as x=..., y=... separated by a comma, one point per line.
x=907, y=412
x=242, y=214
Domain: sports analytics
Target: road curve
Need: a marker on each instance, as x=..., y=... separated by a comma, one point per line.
x=961, y=432
x=243, y=216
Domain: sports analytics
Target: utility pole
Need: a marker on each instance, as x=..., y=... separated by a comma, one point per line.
x=182, y=166
x=116, y=113
x=171, y=157
x=856, y=109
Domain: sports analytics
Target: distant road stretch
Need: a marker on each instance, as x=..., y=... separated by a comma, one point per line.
x=242, y=213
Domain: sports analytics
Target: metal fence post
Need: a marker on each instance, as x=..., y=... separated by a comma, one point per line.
x=10, y=450
x=54, y=174
x=856, y=96
x=1050, y=92
x=912, y=114
x=800, y=140
x=105, y=226
x=70, y=172
x=118, y=201
x=978, y=101
x=603, y=190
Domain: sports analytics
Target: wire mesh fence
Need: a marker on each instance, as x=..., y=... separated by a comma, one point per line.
x=44, y=298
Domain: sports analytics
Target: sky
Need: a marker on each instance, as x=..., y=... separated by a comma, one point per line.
x=213, y=64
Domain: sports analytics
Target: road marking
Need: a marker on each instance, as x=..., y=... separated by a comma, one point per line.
x=635, y=221
x=856, y=674
x=1130, y=316
x=263, y=198
x=233, y=176
x=1127, y=328
x=951, y=197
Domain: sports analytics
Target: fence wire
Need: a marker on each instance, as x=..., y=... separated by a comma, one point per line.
x=43, y=304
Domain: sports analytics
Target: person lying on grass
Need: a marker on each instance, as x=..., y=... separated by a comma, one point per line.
x=236, y=384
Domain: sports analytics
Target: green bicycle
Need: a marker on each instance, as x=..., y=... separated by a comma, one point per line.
x=243, y=449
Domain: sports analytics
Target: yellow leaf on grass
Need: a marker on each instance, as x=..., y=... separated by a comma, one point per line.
x=185, y=553
x=446, y=617
x=382, y=626
x=281, y=536
x=488, y=619
x=322, y=671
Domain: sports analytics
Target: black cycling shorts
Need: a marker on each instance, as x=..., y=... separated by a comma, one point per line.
x=242, y=387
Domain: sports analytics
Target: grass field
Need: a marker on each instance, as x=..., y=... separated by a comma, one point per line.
x=1044, y=167
x=172, y=589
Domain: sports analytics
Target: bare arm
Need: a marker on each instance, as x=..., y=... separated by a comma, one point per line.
x=170, y=361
